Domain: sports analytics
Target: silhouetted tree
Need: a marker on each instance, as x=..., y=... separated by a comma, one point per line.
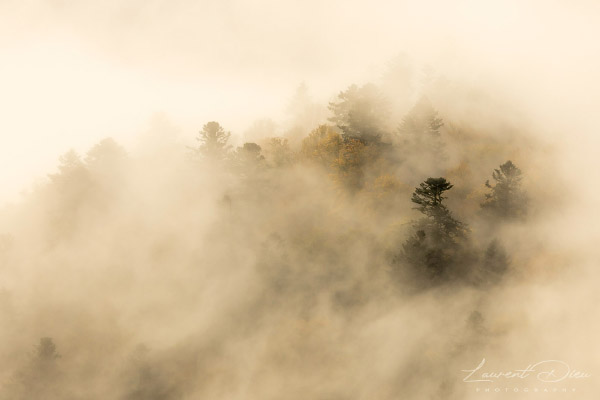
x=107, y=154
x=40, y=377
x=45, y=351
x=71, y=189
x=70, y=170
x=106, y=163
x=419, y=133
x=280, y=154
x=360, y=113
x=495, y=263
x=429, y=197
x=421, y=122
x=435, y=249
x=213, y=141
x=506, y=198
x=429, y=194
x=303, y=114
x=248, y=158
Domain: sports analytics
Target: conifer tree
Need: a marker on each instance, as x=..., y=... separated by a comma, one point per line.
x=506, y=198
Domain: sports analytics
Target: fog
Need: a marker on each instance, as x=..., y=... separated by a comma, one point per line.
x=146, y=254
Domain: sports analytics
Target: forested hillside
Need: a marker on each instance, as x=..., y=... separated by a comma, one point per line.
x=321, y=260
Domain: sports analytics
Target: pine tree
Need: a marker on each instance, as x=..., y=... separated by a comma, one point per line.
x=419, y=133
x=435, y=249
x=213, y=141
x=506, y=198
x=360, y=113
x=248, y=159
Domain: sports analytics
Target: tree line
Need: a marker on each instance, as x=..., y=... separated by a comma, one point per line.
x=361, y=154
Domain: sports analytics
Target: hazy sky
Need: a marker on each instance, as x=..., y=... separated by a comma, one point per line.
x=73, y=72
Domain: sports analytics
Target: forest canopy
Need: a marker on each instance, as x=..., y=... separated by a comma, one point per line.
x=293, y=240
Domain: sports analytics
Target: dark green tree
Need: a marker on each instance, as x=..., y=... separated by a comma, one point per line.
x=435, y=249
x=429, y=197
x=429, y=194
x=506, y=198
